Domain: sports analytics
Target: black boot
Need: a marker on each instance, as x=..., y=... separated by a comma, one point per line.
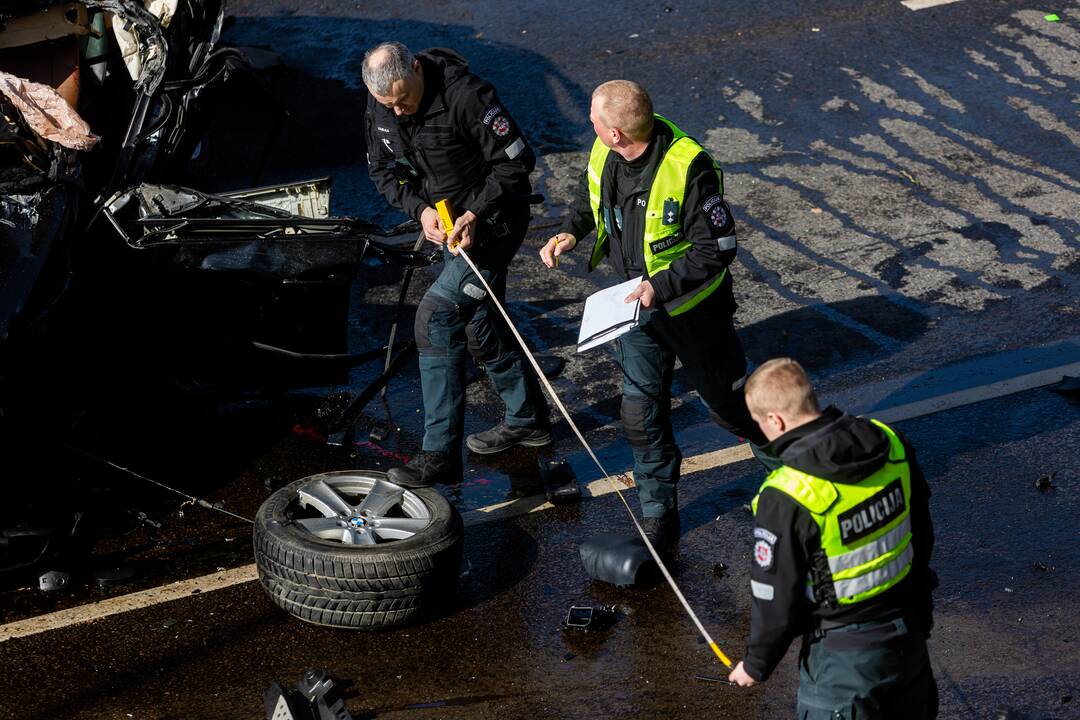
x=424, y=470
x=503, y=437
x=663, y=532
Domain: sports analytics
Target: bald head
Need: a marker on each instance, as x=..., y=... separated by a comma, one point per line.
x=780, y=397
x=623, y=104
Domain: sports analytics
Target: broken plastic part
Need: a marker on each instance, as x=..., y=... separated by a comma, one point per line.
x=54, y=580
x=560, y=482
x=621, y=560
x=311, y=700
x=589, y=619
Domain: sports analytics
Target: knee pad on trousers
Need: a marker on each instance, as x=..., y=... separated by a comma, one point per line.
x=426, y=313
x=635, y=411
x=484, y=347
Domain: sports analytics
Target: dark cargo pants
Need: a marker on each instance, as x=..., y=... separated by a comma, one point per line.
x=455, y=317
x=867, y=671
x=704, y=340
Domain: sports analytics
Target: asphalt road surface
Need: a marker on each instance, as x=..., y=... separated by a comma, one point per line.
x=907, y=188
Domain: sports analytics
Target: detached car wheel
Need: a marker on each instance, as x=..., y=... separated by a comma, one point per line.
x=348, y=549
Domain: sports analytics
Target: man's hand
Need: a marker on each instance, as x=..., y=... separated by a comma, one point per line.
x=461, y=236
x=429, y=220
x=740, y=677
x=563, y=242
x=645, y=292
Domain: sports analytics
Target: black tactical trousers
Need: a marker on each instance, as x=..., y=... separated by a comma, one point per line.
x=867, y=671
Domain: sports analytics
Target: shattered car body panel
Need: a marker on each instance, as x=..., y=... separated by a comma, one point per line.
x=113, y=275
x=191, y=229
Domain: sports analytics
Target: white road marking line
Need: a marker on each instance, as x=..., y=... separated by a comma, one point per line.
x=514, y=508
x=124, y=603
x=973, y=395
x=923, y=4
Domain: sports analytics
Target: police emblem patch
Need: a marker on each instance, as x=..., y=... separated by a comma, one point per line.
x=718, y=216
x=500, y=126
x=763, y=554
x=714, y=209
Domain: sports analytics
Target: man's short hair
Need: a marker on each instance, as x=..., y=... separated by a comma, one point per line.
x=625, y=105
x=384, y=65
x=780, y=385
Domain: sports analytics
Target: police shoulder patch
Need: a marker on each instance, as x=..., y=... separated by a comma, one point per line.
x=501, y=126
x=763, y=554
x=715, y=211
x=761, y=533
x=491, y=113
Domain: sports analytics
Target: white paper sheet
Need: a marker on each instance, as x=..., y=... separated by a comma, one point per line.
x=606, y=316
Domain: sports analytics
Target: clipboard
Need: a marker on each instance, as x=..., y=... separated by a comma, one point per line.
x=606, y=316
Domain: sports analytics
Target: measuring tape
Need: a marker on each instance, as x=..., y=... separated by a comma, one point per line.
x=446, y=216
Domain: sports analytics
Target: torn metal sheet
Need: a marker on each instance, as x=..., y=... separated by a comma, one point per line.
x=280, y=231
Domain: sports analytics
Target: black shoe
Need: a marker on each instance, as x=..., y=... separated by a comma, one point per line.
x=663, y=532
x=503, y=437
x=424, y=470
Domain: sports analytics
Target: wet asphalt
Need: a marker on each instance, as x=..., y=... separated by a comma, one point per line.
x=1005, y=630
x=906, y=188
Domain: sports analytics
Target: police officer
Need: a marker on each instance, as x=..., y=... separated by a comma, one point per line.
x=435, y=131
x=842, y=542
x=656, y=201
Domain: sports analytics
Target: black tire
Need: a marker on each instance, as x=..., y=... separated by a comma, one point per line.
x=329, y=583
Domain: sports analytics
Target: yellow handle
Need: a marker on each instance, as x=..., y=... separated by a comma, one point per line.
x=446, y=215
x=721, y=655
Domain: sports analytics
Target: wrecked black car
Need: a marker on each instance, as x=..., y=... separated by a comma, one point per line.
x=116, y=275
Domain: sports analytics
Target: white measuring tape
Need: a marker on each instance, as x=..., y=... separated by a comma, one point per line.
x=551, y=391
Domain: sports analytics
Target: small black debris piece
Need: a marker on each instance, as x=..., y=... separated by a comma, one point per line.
x=568, y=657
x=560, y=482
x=590, y=619
x=114, y=576
x=719, y=569
x=1046, y=482
x=1066, y=699
x=1040, y=566
x=315, y=698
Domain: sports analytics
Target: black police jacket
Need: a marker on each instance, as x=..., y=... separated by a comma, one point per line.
x=461, y=144
x=843, y=449
x=626, y=189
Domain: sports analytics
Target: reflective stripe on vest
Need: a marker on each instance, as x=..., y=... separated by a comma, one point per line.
x=668, y=185
x=865, y=528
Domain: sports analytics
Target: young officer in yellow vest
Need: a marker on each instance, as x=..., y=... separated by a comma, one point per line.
x=842, y=541
x=656, y=201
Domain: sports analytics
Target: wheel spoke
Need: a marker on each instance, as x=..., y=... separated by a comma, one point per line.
x=324, y=528
x=355, y=536
x=382, y=497
x=399, y=528
x=324, y=498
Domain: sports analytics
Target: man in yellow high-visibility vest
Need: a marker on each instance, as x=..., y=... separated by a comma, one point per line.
x=842, y=542
x=655, y=198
